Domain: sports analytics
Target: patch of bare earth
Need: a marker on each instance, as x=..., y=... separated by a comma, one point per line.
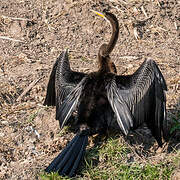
x=32, y=35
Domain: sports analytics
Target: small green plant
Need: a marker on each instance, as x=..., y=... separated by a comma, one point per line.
x=32, y=117
x=52, y=176
x=176, y=126
x=64, y=131
x=84, y=59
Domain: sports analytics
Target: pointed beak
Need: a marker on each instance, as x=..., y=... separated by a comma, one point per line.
x=99, y=14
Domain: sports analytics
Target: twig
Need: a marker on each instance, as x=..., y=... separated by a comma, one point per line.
x=28, y=89
x=118, y=9
x=135, y=152
x=13, y=18
x=175, y=24
x=116, y=1
x=160, y=28
x=142, y=21
x=11, y=39
x=143, y=10
x=158, y=3
x=129, y=57
x=136, y=33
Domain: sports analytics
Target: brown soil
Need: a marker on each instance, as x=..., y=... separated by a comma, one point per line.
x=29, y=134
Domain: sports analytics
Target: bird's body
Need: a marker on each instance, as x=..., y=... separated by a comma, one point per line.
x=104, y=98
x=94, y=108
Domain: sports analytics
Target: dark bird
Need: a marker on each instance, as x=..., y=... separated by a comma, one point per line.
x=103, y=99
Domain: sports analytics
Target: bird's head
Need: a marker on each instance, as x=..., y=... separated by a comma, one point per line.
x=109, y=17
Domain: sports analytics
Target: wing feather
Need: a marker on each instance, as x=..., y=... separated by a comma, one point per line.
x=50, y=99
x=123, y=114
x=70, y=103
x=62, y=81
x=143, y=95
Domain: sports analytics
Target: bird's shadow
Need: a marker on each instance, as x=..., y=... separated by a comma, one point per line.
x=143, y=139
x=173, y=117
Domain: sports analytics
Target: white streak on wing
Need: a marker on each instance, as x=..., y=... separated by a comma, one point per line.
x=120, y=121
x=65, y=119
x=74, y=92
x=116, y=112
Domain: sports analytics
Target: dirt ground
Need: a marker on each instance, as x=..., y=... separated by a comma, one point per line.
x=33, y=34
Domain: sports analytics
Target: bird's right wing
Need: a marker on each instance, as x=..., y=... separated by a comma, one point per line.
x=119, y=106
x=62, y=81
x=139, y=98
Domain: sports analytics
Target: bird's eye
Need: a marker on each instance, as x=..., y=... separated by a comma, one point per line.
x=105, y=10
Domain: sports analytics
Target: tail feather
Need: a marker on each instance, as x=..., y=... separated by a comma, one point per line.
x=79, y=158
x=75, y=158
x=68, y=159
x=67, y=162
x=55, y=162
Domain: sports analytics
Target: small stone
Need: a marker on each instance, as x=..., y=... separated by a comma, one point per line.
x=15, y=29
x=4, y=122
x=2, y=134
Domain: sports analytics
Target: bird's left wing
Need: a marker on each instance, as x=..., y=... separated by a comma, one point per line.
x=70, y=103
x=139, y=98
x=62, y=81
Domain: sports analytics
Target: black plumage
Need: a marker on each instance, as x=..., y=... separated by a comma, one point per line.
x=104, y=98
x=69, y=159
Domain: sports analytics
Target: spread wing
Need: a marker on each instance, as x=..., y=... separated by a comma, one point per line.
x=70, y=103
x=140, y=98
x=62, y=81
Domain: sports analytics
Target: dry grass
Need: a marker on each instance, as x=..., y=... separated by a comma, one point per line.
x=29, y=134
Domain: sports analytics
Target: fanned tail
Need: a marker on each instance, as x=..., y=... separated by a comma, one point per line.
x=68, y=161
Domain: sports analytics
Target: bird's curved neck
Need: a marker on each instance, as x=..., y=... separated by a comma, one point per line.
x=105, y=49
x=114, y=37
